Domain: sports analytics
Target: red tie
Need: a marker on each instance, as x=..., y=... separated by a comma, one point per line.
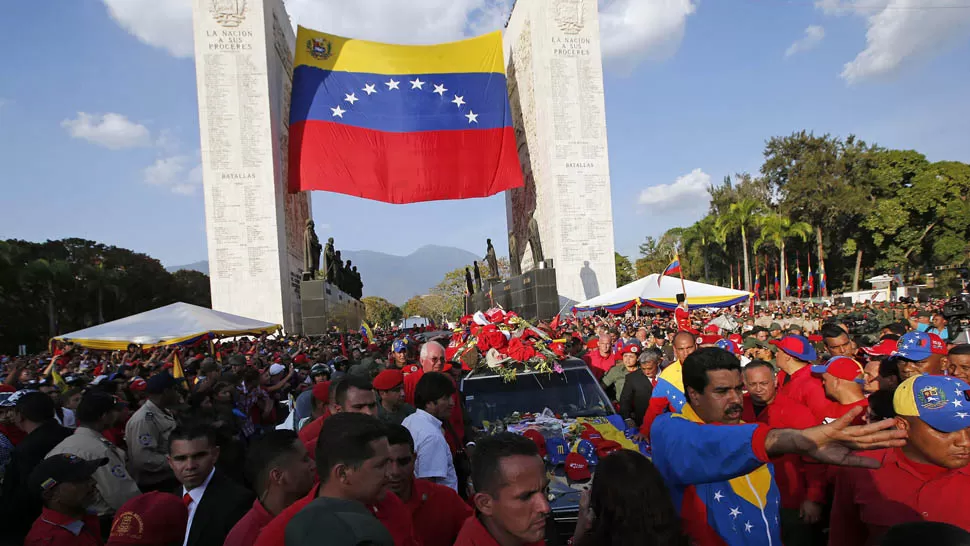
x=653, y=382
x=186, y=500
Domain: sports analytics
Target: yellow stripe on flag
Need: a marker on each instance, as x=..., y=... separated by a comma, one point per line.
x=481, y=54
x=177, y=372
x=58, y=380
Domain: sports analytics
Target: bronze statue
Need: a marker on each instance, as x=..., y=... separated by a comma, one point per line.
x=469, y=288
x=358, y=285
x=491, y=260
x=515, y=263
x=535, y=243
x=311, y=252
x=338, y=271
x=478, y=276
x=329, y=259
x=348, y=277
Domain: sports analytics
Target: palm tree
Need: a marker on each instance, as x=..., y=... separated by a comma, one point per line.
x=777, y=229
x=741, y=216
x=701, y=234
x=50, y=274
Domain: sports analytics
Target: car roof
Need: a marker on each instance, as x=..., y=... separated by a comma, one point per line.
x=570, y=363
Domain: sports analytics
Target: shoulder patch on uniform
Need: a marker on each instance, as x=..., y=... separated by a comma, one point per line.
x=145, y=439
x=118, y=471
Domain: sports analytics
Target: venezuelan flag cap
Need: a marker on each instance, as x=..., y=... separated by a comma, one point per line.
x=941, y=402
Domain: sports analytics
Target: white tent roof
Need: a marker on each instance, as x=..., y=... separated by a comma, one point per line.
x=166, y=325
x=648, y=292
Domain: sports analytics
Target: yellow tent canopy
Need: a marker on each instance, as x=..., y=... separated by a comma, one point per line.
x=168, y=325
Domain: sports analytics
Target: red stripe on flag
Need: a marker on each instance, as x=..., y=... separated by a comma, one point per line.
x=402, y=167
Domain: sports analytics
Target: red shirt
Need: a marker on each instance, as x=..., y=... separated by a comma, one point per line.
x=390, y=511
x=437, y=512
x=797, y=478
x=683, y=320
x=457, y=419
x=598, y=363
x=805, y=388
x=870, y=501
x=246, y=530
x=311, y=431
x=838, y=410
x=56, y=529
x=13, y=433
x=473, y=533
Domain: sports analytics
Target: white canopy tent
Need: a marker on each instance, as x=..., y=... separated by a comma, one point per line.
x=647, y=291
x=168, y=325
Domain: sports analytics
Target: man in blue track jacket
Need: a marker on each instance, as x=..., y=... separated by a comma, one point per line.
x=719, y=476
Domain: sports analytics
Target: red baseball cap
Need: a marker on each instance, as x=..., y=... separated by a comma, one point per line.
x=577, y=469
x=137, y=384
x=321, y=391
x=885, y=347
x=630, y=348
x=842, y=367
x=606, y=447
x=708, y=339
x=388, y=380
x=593, y=436
x=153, y=519
x=538, y=438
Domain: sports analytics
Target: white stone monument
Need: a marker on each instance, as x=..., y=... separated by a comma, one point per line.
x=555, y=75
x=254, y=228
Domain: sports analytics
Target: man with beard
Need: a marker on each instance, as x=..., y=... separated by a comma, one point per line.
x=718, y=475
x=511, y=507
x=924, y=480
x=921, y=353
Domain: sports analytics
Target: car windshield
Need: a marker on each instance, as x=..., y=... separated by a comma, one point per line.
x=573, y=392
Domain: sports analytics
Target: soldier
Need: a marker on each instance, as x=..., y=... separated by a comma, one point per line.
x=99, y=411
x=147, y=435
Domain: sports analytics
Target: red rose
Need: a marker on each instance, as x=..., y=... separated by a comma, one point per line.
x=559, y=348
x=520, y=350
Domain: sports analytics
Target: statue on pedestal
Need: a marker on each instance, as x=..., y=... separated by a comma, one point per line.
x=358, y=285
x=535, y=243
x=311, y=252
x=348, y=276
x=329, y=259
x=338, y=270
x=469, y=287
x=478, y=276
x=491, y=260
x=515, y=264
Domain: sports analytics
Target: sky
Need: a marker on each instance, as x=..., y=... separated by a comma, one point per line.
x=99, y=133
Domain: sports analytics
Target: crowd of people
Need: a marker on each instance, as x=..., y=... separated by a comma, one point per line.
x=835, y=437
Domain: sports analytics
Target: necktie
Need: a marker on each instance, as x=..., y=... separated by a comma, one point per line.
x=186, y=500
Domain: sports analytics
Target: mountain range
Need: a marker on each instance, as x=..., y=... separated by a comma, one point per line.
x=394, y=278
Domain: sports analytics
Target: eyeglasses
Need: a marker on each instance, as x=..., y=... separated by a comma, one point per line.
x=437, y=359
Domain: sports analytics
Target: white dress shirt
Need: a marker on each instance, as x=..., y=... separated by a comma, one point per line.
x=433, y=454
x=196, y=495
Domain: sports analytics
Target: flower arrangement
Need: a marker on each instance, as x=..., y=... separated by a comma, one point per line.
x=505, y=343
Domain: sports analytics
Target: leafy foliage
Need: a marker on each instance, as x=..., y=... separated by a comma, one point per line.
x=625, y=273
x=381, y=312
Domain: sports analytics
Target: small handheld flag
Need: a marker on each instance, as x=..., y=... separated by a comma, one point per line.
x=366, y=332
x=672, y=267
x=58, y=380
x=177, y=371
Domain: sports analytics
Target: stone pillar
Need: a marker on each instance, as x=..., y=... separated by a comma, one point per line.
x=555, y=77
x=254, y=228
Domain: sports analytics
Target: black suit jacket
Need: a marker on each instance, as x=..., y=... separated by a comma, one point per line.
x=224, y=503
x=635, y=397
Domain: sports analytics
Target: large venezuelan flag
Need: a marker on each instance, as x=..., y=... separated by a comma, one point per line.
x=401, y=124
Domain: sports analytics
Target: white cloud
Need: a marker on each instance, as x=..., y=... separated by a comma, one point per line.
x=813, y=36
x=181, y=174
x=113, y=131
x=899, y=32
x=688, y=191
x=635, y=29
x=630, y=29
x=161, y=23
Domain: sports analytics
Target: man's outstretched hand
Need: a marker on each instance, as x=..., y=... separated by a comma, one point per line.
x=833, y=443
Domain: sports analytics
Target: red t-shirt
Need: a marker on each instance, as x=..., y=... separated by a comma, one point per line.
x=598, y=363
x=868, y=501
x=437, y=512
x=473, y=533
x=838, y=410
x=805, y=388
x=311, y=431
x=246, y=530
x=390, y=512
x=56, y=529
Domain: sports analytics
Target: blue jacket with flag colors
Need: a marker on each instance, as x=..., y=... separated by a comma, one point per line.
x=719, y=479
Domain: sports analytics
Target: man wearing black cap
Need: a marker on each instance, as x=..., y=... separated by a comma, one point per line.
x=65, y=485
x=35, y=416
x=147, y=435
x=97, y=412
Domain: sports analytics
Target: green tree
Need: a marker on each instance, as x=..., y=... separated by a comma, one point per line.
x=625, y=274
x=778, y=229
x=50, y=274
x=381, y=312
x=99, y=279
x=741, y=217
x=699, y=237
x=193, y=287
